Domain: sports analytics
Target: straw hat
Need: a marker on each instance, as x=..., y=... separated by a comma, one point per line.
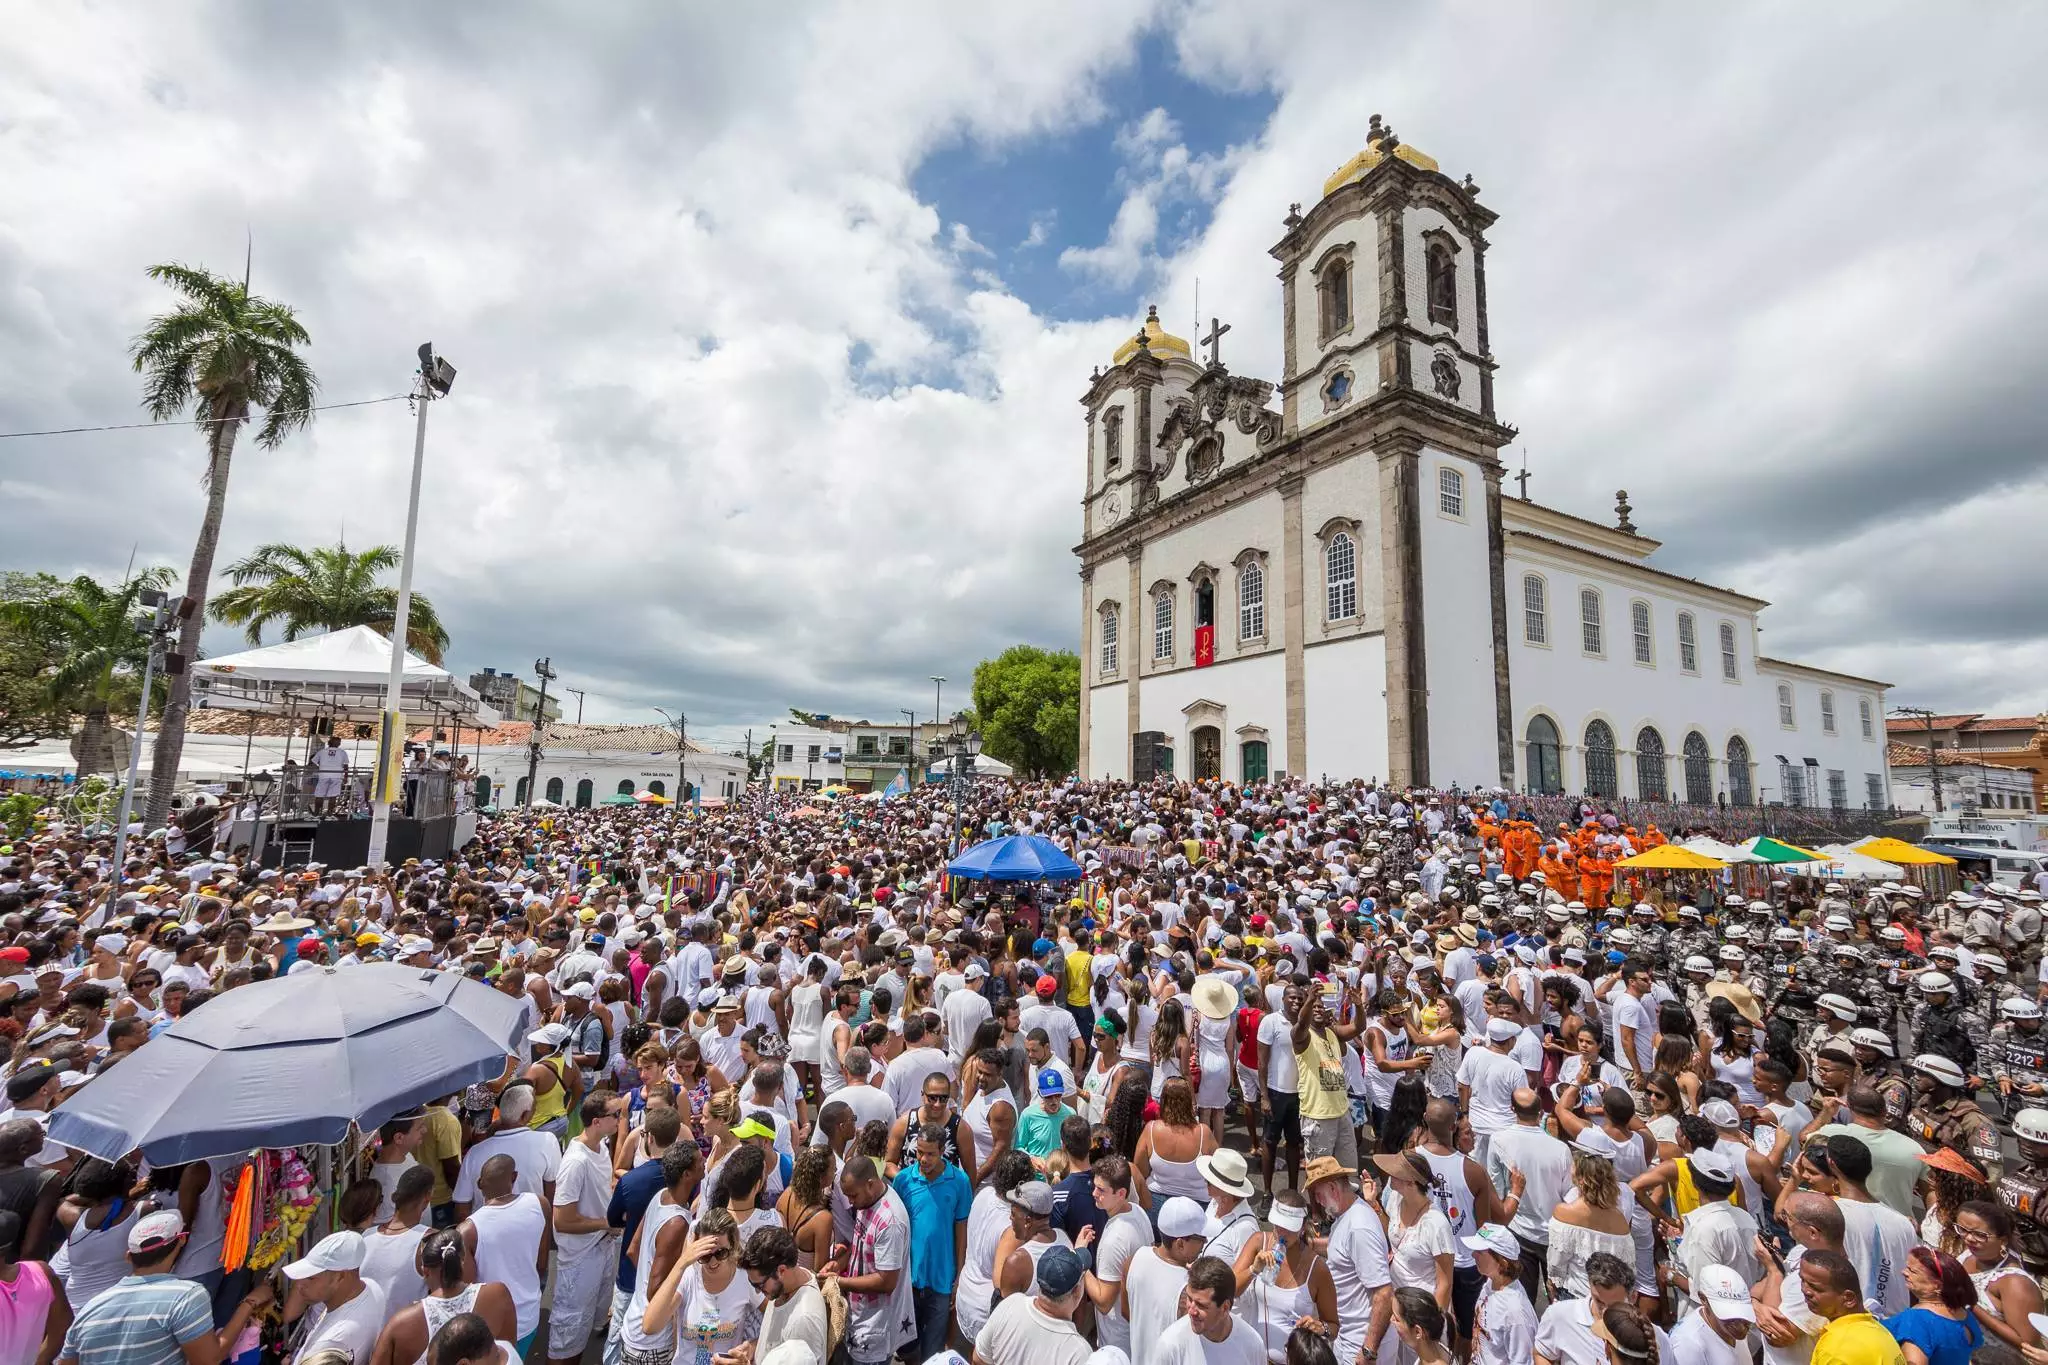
x=1214, y=998
x=282, y=922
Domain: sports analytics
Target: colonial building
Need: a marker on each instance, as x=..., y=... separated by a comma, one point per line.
x=1324, y=576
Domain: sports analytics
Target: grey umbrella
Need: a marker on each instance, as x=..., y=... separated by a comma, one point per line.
x=294, y=1060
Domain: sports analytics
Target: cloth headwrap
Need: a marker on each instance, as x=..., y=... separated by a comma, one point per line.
x=1109, y=1026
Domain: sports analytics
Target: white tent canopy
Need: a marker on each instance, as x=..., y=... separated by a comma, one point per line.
x=1714, y=848
x=1847, y=863
x=342, y=674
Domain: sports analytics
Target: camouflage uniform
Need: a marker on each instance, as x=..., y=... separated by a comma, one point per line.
x=1895, y=1089
x=1944, y=1030
x=2020, y=1056
x=2022, y=938
x=1957, y=1122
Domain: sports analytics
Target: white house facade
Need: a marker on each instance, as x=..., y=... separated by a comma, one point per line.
x=581, y=765
x=1337, y=585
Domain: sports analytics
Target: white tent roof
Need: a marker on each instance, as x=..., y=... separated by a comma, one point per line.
x=1714, y=848
x=343, y=673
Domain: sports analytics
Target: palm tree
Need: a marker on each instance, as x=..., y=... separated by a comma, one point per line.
x=98, y=650
x=221, y=353
x=323, y=588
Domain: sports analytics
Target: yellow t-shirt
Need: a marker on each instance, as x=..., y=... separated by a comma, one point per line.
x=1857, y=1339
x=1080, y=969
x=443, y=1140
x=1319, y=1076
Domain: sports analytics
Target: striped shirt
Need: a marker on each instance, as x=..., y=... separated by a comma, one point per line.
x=140, y=1320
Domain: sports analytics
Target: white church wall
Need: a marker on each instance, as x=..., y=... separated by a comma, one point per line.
x=1216, y=540
x=1843, y=750
x=1457, y=624
x=1573, y=688
x=1361, y=236
x=1344, y=685
x=1347, y=490
x=1109, y=745
x=1417, y=222
x=1249, y=692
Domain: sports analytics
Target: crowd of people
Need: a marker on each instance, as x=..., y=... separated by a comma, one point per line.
x=1300, y=1074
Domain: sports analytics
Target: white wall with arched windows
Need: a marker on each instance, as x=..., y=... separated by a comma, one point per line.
x=1352, y=243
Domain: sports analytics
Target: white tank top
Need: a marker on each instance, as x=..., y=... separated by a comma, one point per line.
x=1274, y=1310
x=986, y=1219
x=1453, y=1195
x=975, y=1116
x=658, y=1215
x=1740, y=1074
x=806, y=1010
x=92, y=1258
x=760, y=1009
x=438, y=1311
x=1178, y=1177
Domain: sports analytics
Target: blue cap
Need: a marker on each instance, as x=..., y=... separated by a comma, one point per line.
x=1616, y=955
x=1051, y=1082
x=1041, y=947
x=1059, y=1270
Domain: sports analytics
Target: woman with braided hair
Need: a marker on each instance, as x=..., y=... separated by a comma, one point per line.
x=449, y=1293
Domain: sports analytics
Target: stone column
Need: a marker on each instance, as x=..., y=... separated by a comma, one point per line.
x=1496, y=566
x=1293, y=595
x=1091, y=658
x=1133, y=657
x=1401, y=585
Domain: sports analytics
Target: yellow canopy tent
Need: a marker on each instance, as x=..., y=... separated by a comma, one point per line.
x=1672, y=858
x=1904, y=854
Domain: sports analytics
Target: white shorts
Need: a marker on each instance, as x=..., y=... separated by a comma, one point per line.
x=583, y=1292
x=1248, y=1083
x=327, y=786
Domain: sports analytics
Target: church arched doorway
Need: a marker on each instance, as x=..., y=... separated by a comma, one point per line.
x=585, y=790
x=1738, y=772
x=1650, y=780
x=1545, y=771
x=519, y=792
x=1252, y=761
x=658, y=787
x=625, y=786
x=483, y=792
x=1600, y=778
x=1207, y=743
x=555, y=790
x=1699, y=770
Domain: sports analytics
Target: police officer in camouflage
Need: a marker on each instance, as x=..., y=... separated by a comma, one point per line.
x=2018, y=1056
x=1945, y=1115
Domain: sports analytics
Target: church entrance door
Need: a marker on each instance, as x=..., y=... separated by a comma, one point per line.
x=1208, y=746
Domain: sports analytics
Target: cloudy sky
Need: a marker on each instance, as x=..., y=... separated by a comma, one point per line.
x=771, y=320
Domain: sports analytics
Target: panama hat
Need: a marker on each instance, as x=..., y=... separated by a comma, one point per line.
x=1214, y=998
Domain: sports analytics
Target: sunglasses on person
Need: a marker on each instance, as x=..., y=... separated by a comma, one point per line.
x=937, y=1096
x=720, y=1254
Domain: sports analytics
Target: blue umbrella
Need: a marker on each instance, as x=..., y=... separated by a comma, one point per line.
x=1015, y=858
x=294, y=1060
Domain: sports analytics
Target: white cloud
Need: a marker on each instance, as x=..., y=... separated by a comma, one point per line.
x=742, y=423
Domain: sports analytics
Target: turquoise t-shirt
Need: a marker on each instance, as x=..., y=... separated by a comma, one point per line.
x=935, y=1207
x=1038, y=1133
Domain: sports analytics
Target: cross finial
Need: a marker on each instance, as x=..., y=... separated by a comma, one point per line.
x=1471, y=189
x=1293, y=218
x=1214, y=341
x=1522, y=479
x=1621, y=511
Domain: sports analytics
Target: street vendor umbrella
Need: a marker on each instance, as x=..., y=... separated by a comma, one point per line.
x=1672, y=858
x=295, y=1059
x=1015, y=858
x=1714, y=848
x=1772, y=851
x=1898, y=851
x=620, y=799
x=653, y=799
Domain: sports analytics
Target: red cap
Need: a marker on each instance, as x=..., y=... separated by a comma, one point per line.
x=13, y=955
x=1046, y=985
x=308, y=947
x=1258, y=921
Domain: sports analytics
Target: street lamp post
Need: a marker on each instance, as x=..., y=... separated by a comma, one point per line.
x=681, y=721
x=958, y=749
x=165, y=613
x=544, y=670
x=436, y=377
x=909, y=747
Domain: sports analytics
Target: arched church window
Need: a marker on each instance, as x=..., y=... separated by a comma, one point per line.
x=1728, y=670
x=554, y=790
x=1113, y=440
x=1699, y=770
x=1443, y=283
x=1333, y=294
x=1535, y=610
x=1688, y=643
x=1251, y=602
x=1738, y=772
x=1340, y=576
x=1545, y=769
x=1650, y=783
x=1205, y=602
x=1109, y=639
x=1786, y=716
x=1162, y=625
x=1863, y=715
x=1600, y=778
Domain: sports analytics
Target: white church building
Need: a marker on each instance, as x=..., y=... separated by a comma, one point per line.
x=1340, y=587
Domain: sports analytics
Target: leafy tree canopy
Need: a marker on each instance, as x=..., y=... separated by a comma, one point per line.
x=1027, y=702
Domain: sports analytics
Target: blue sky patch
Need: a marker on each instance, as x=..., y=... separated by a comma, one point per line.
x=1026, y=201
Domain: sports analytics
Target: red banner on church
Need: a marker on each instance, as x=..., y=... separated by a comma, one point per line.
x=1205, y=646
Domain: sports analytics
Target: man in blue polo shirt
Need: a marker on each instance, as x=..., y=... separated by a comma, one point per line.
x=938, y=1196
x=151, y=1316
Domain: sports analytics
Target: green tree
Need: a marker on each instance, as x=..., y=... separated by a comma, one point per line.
x=28, y=712
x=320, y=589
x=220, y=354
x=1027, y=702
x=96, y=652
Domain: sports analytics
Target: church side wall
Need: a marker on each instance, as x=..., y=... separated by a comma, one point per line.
x=1243, y=692
x=1561, y=681
x=1457, y=607
x=1345, y=682
x=1343, y=496
x=1845, y=750
x=1109, y=747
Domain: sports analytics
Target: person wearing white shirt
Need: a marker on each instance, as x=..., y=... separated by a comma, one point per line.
x=1717, y=1233
x=964, y=1011
x=1487, y=1081
x=1361, y=1264
x=1545, y=1165
x=1209, y=1333
x=1504, y=1321
x=1721, y=1331
x=1564, y=1334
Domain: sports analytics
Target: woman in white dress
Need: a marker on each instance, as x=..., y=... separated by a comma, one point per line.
x=1215, y=1046
x=807, y=1024
x=1590, y=1220
x=1418, y=1233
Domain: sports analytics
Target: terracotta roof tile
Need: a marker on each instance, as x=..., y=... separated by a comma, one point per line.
x=1915, y=756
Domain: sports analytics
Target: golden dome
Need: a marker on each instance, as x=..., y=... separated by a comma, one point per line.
x=1157, y=339
x=1373, y=154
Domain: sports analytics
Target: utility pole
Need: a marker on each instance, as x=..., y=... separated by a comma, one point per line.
x=542, y=669
x=579, y=702
x=938, y=688
x=437, y=376
x=681, y=722
x=165, y=614
x=1933, y=759
x=910, y=748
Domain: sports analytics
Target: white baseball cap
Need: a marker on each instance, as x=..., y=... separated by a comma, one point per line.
x=335, y=1251
x=1712, y=1164
x=1721, y=1114
x=1181, y=1216
x=1494, y=1238
x=1724, y=1291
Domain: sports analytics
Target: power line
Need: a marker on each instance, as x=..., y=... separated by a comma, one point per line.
x=207, y=421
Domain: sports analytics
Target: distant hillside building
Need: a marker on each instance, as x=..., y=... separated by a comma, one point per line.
x=512, y=696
